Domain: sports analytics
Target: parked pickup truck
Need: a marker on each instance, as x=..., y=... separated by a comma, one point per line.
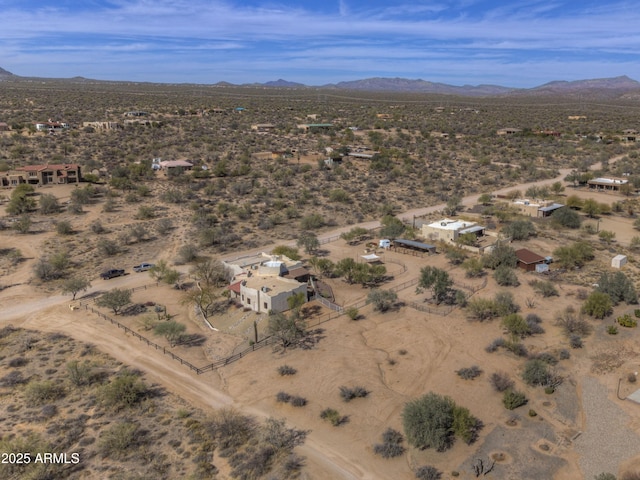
x=143, y=267
x=114, y=272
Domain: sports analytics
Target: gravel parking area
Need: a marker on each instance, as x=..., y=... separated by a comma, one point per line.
x=607, y=440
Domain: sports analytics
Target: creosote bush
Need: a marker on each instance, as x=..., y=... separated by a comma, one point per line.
x=469, y=373
x=391, y=445
x=500, y=381
x=333, y=416
x=349, y=393
x=284, y=370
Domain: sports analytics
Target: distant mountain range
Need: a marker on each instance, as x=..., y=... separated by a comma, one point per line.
x=602, y=87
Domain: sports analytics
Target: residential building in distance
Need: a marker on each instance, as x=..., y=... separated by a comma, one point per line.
x=43, y=175
x=607, y=184
x=449, y=230
x=265, y=282
x=536, y=208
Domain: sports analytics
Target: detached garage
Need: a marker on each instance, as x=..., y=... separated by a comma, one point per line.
x=527, y=260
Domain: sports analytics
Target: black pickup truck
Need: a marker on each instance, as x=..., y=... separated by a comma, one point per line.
x=114, y=272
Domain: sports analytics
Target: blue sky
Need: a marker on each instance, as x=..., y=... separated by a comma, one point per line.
x=521, y=43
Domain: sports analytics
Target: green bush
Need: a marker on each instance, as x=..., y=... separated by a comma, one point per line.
x=37, y=393
x=124, y=391
x=627, y=320
x=536, y=372
x=513, y=399
x=432, y=421
x=598, y=305
x=333, y=416
x=516, y=325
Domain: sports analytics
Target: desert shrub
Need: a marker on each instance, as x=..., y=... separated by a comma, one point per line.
x=13, y=379
x=97, y=227
x=544, y=288
x=17, y=362
x=575, y=341
x=482, y=309
x=382, y=300
x=502, y=254
x=469, y=373
x=512, y=399
x=536, y=372
x=519, y=230
x=391, y=445
x=353, y=313
x=349, y=393
x=427, y=472
x=605, y=476
x=495, y=345
x=49, y=411
x=333, y=416
x=626, y=320
x=286, y=370
x=573, y=324
x=505, y=303
x=618, y=287
x=516, y=325
x=283, y=397
x=287, y=251
x=564, y=354
x=598, y=305
x=79, y=373
x=465, y=425
x=429, y=422
x=297, y=401
x=63, y=227
x=546, y=357
x=533, y=321
x=230, y=429
x=517, y=348
x=505, y=276
x=187, y=253
x=312, y=222
x=574, y=255
x=118, y=440
x=500, y=381
x=37, y=393
x=632, y=377
x=566, y=217
x=108, y=247
x=124, y=391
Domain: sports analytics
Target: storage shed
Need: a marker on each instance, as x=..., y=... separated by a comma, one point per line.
x=618, y=261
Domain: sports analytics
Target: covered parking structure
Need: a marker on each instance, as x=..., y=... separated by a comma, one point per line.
x=412, y=247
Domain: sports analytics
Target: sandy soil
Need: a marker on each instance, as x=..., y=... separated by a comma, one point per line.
x=396, y=356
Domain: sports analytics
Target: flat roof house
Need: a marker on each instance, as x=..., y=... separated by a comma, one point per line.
x=449, y=230
x=608, y=184
x=265, y=293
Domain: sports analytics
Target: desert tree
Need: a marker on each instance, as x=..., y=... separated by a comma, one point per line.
x=161, y=272
x=438, y=281
x=115, y=299
x=288, y=330
x=74, y=285
x=210, y=272
x=204, y=297
x=308, y=241
x=618, y=286
x=382, y=300
x=171, y=330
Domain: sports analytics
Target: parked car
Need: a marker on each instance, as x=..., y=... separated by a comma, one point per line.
x=143, y=267
x=114, y=272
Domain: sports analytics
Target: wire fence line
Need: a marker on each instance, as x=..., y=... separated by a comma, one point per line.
x=337, y=311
